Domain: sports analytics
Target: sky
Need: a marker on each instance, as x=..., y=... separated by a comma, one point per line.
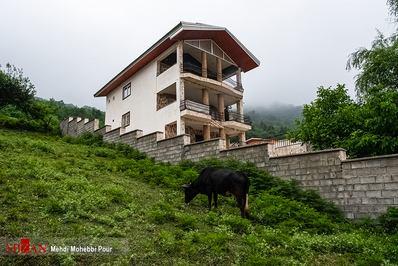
x=71, y=49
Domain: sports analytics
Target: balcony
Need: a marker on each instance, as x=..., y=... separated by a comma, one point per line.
x=189, y=67
x=193, y=110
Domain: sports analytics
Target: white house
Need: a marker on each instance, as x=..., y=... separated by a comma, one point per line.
x=186, y=83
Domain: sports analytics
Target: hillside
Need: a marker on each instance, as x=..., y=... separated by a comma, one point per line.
x=74, y=188
x=272, y=121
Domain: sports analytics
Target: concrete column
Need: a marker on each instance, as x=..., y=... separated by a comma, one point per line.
x=222, y=133
x=239, y=107
x=220, y=98
x=205, y=96
x=181, y=129
x=219, y=69
x=239, y=77
x=242, y=138
x=227, y=141
x=180, y=56
x=206, y=132
x=204, y=64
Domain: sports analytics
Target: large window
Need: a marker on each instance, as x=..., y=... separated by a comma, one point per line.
x=126, y=91
x=126, y=119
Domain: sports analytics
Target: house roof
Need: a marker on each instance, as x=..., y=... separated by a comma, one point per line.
x=186, y=31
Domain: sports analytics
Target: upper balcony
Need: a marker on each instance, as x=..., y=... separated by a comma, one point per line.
x=196, y=69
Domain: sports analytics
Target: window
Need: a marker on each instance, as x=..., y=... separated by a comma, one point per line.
x=126, y=91
x=126, y=119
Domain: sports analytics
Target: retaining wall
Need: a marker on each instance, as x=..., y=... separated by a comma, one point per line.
x=362, y=187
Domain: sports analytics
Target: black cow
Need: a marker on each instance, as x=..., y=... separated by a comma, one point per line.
x=221, y=181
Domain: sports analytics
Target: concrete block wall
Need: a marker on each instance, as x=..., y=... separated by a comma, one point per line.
x=130, y=138
x=113, y=136
x=320, y=170
x=148, y=143
x=361, y=187
x=257, y=154
x=203, y=149
x=76, y=127
x=171, y=149
x=371, y=185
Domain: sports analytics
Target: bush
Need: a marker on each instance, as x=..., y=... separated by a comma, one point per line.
x=277, y=211
x=389, y=220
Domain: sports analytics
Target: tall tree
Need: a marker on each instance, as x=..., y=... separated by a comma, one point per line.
x=322, y=124
x=15, y=89
x=378, y=65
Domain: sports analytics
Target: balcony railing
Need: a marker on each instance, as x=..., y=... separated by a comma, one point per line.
x=194, y=106
x=197, y=70
x=233, y=116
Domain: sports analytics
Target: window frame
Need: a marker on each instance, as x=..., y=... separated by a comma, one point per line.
x=126, y=87
x=123, y=119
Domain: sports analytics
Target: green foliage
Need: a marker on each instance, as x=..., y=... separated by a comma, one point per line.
x=321, y=125
x=276, y=211
x=15, y=89
x=364, y=129
x=273, y=122
x=63, y=194
x=374, y=131
x=389, y=220
x=377, y=65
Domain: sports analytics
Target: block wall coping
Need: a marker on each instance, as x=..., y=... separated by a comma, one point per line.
x=307, y=153
x=201, y=142
x=130, y=132
x=244, y=147
x=118, y=128
x=147, y=135
x=175, y=137
x=102, y=128
x=371, y=158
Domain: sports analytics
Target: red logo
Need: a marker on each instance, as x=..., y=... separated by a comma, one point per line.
x=26, y=248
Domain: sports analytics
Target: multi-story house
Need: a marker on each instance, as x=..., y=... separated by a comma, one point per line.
x=189, y=82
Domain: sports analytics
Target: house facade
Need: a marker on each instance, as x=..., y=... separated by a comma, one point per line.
x=189, y=82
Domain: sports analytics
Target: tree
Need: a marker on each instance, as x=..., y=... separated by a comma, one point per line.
x=322, y=123
x=366, y=128
x=378, y=65
x=15, y=89
x=375, y=127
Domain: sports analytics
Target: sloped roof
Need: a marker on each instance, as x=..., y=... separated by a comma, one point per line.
x=186, y=31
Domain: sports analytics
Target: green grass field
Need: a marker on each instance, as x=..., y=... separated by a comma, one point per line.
x=50, y=187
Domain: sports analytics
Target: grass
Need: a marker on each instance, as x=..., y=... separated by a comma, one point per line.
x=51, y=187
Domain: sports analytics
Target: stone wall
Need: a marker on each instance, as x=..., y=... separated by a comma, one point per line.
x=361, y=187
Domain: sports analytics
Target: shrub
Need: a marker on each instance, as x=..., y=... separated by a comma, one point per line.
x=389, y=220
x=283, y=213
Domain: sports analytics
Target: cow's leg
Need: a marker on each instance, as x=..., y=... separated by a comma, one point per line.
x=215, y=199
x=209, y=197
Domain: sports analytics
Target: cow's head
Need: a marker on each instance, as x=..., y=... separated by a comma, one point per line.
x=190, y=192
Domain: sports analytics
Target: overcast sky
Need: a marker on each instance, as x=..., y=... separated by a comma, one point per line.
x=70, y=49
